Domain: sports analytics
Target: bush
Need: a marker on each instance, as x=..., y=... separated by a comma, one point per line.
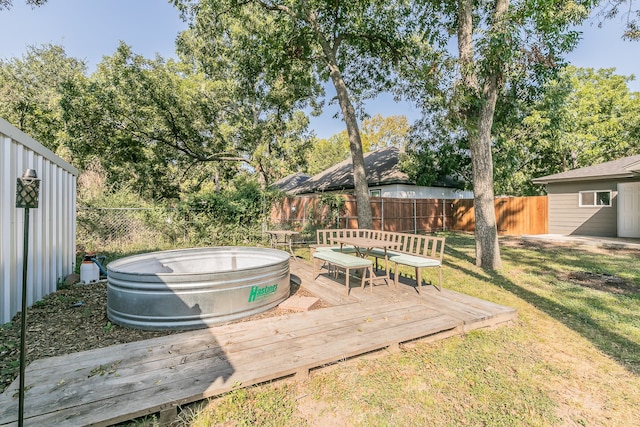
x=111, y=220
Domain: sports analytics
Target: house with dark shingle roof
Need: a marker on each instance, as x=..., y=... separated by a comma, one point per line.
x=384, y=178
x=599, y=200
x=291, y=182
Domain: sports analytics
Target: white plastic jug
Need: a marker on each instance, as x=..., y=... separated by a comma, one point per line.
x=89, y=271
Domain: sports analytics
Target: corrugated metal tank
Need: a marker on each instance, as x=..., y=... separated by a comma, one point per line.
x=194, y=288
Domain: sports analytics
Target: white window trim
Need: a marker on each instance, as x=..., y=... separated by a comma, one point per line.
x=595, y=198
x=376, y=190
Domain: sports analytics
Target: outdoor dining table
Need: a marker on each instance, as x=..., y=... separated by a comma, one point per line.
x=283, y=238
x=363, y=247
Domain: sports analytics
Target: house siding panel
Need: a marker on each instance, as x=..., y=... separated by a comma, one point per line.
x=567, y=217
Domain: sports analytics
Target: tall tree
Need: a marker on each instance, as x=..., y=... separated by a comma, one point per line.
x=154, y=124
x=352, y=44
x=505, y=52
x=271, y=129
x=166, y=127
x=583, y=117
x=31, y=91
x=379, y=132
x=519, y=43
x=482, y=89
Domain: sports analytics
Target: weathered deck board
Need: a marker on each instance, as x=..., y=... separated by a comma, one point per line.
x=276, y=348
x=261, y=332
x=474, y=312
x=159, y=374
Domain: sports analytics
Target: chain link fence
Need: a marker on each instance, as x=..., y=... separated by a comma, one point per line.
x=108, y=227
x=100, y=229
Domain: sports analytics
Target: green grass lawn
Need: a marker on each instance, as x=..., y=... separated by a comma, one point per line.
x=571, y=358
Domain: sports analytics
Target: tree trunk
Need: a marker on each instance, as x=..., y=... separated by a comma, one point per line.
x=479, y=121
x=361, y=188
x=465, y=44
x=486, y=230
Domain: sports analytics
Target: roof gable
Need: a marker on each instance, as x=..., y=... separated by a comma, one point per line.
x=626, y=167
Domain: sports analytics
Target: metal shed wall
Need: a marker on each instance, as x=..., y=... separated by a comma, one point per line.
x=52, y=232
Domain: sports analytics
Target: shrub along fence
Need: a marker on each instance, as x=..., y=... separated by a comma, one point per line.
x=137, y=229
x=515, y=215
x=110, y=229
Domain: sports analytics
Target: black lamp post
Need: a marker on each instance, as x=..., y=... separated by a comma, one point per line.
x=27, y=192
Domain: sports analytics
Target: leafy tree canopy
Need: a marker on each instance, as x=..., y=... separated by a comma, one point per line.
x=584, y=117
x=328, y=152
x=355, y=45
x=379, y=132
x=30, y=92
x=628, y=10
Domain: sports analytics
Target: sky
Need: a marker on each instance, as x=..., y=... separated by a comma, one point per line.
x=91, y=29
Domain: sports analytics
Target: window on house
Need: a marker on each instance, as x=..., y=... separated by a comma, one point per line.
x=595, y=198
x=375, y=193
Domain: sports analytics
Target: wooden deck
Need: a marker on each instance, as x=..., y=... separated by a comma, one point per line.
x=122, y=382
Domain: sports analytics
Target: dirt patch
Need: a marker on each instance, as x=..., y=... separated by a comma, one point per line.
x=602, y=282
x=555, y=245
x=75, y=319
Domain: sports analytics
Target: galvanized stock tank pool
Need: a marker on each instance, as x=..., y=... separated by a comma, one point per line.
x=195, y=288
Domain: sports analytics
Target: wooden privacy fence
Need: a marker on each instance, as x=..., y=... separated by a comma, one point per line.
x=514, y=215
x=391, y=214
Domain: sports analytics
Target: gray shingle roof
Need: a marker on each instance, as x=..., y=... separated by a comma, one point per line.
x=381, y=168
x=291, y=181
x=627, y=167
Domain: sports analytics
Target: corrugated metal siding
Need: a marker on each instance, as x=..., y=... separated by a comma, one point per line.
x=52, y=229
x=567, y=217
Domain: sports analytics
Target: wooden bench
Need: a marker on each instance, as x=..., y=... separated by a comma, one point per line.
x=419, y=252
x=324, y=239
x=344, y=261
x=413, y=250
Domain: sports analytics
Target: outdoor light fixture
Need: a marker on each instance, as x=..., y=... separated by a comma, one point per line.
x=28, y=190
x=27, y=194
